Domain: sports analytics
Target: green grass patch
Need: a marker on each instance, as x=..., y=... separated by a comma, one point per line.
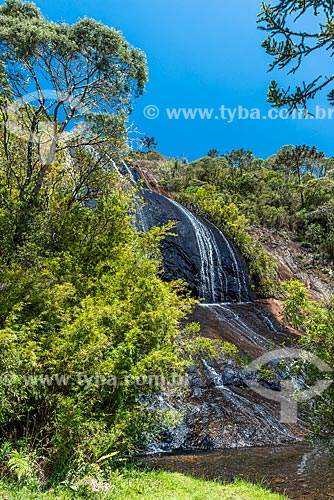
x=152, y=485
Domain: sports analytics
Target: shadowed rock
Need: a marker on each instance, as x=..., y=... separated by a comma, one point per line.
x=199, y=253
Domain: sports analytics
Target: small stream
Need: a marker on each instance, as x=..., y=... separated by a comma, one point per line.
x=300, y=471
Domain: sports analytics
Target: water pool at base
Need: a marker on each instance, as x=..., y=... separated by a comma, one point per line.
x=300, y=471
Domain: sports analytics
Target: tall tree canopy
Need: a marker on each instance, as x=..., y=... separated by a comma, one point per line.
x=81, y=78
x=299, y=161
x=289, y=44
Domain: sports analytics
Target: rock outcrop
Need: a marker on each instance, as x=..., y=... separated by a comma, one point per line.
x=198, y=253
x=218, y=409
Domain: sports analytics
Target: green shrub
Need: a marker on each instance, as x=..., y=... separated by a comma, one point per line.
x=84, y=316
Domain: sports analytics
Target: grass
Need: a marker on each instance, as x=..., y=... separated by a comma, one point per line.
x=150, y=485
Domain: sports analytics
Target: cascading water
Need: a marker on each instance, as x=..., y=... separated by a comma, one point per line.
x=218, y=271
x=239, y=272
x=123, y=171
x=212, y=274
x=124, y=168
x=213, y=277
x=198, y=253
x=240, y=318
x=247, y=325
x=219, y=411
x=114, y=166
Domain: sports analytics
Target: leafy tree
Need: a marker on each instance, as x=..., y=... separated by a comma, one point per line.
x=62, y=86
x=289, y=44
x=149, y=142
x=316, y=321
x=239, y=161
x=300, y=160
x=213, y=153
x=82, y=298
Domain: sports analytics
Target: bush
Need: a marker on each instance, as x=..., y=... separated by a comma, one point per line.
x=316, y=321
x=84, y=316
x=274, y=217
x=314, y=234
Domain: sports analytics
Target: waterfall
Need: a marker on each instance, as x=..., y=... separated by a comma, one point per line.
x=126, y=170
x=218, y=409
x=238, y=270
x=220, y=273
x=141, y=223
x=212, y=274
x=114, y=166
x=249, y=410
x=122, y=169
x=213, y=278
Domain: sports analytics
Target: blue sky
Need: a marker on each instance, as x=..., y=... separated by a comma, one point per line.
x=202, y=54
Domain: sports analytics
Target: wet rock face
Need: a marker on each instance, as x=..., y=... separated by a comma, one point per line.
x=218, y=409
x=199, y=253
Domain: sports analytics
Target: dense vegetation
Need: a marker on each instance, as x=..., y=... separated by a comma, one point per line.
x=85, y=319
x=316, y=321
x=292, y=191
x=81, y=298
x=87, y=326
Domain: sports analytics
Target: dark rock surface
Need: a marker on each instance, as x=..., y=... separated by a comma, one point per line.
x=218, y=409
x=220, y=276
